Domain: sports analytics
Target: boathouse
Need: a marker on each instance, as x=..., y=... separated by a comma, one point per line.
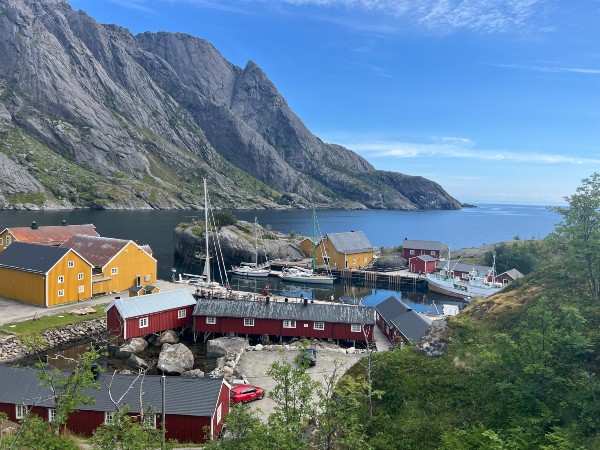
x=118, y=264
x=416, y=248
x=44, y=235
x=422, y=264
x=348, y=250
x=509, y=276
x=196, y=408
x=285, y=319
x=462, y=270
x=138, y=316
x=44, y=275
x=400, y=323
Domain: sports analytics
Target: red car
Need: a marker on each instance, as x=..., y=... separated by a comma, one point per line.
x=246, y=393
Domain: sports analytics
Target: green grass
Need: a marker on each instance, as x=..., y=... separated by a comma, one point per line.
x=41, y=324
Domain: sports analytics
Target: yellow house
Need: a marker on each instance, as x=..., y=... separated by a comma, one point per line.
x=44, y=275
x=44, y=235
x=118, y=264
x=348, y=250
x=306, y=245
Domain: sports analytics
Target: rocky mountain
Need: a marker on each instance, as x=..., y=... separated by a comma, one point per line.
x=94, y=116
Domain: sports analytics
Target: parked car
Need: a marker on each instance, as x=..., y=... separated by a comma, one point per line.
x=246, y=393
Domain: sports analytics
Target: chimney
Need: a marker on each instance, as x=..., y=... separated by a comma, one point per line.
x=34, y=225
x=305, y=301
x=64, y=223
x=267, y=300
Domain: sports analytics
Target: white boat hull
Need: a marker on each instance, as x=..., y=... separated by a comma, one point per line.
x=256, y=273
x=460, y=289
x=309, y=279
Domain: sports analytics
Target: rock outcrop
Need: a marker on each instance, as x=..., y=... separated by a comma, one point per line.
x=435, y=342
x=175, y=358
x=92, y=115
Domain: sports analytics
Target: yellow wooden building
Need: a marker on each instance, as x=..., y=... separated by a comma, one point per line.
x=44, y=275
x=43, y=235
x=118, y=264
x=348, y=250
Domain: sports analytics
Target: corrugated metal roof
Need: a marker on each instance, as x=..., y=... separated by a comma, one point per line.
x=152, y=303
x=96, y=249
x=513, y=273
x=314, y=312
x=31, y=257
x=350, y=242
x=184, y=395
x=410, y=323
x=51, y=235
x=425, y=258
x=423, y=245
x=462, y=267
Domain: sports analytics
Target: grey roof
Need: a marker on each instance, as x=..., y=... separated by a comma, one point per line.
x=313, y=312
x=423, y=245
x=425, y=258
x=462, y=267
x=408, y=322
x=184, y=395
x=31, y=257
x=152, y=303
x=350, y=242
x=513, y=273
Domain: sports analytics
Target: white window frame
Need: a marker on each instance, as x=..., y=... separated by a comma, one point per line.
x=51, y=414
x=411, y=252
x=81, y=289
x=289, y=323
x=1, y=241
x=8, y=240
x=219, y=416
x=80, y=276
x=20, y=411
x=109, y=417
x=70, y=264
x=319, y=326
x=211, y=320
x=61, y=292
x=143, y=323
x=366, y=258
x=355, y=328
x=61, y=279
x=432, y=253
x=181, y=314
x=149, y=421
x=114, y=271
x=248, y=321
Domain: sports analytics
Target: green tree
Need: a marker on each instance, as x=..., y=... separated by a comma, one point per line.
x=580, y=230
x=126, y=432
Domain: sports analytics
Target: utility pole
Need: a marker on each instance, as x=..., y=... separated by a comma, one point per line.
x=163, y=422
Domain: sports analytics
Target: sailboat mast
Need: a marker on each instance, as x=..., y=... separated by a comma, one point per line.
x=207, y=260
x=256, y=242
x=314, y=245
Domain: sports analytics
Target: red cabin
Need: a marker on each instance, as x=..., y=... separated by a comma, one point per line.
x=138, y=316
x=400, y=323
x=422, y=264
x=196, y=408
x=417, y=248
x=289, y=319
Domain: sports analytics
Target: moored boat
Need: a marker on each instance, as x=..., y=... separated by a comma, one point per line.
x=300, y=275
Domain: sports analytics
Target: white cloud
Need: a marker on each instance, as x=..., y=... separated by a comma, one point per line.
x=138, y=5
x=550, y=68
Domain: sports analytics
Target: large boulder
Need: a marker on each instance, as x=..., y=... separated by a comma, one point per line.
x=167, y=337
x=435, y=342
x=194, y=373
x=222, y=346
x=137, y=363
x=175, y=358
x=133, y=345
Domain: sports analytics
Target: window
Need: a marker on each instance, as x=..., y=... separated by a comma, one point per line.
x=114, y=271
x=412, y=252
x=81, y=289
x=61, y=279
x=289, y=324
x=366, y=259
x=219, y=413
x=61, y=292
x=70, y=264
x=80, y=276
x=211, y=320
x=51, y=414
x=143, y=322
x=181, y=314
x=21, y=411
x=354, y=261
x=319, y=326
x=109, y=417
x=8, y=240
x=0, y=241
x=248, y=322
x=355, y=328
x=432, y=252
x=149, y=421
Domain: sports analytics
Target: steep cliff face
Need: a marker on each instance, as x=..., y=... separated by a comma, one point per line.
x=91, y=115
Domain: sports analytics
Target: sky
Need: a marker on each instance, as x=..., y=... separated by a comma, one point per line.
x=495, y=100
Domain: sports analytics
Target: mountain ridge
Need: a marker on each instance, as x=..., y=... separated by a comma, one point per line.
x=94, y=116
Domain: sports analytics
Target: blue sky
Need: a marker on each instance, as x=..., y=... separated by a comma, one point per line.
x=496, y=100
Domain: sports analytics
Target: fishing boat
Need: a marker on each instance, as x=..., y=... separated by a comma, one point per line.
x=476, y=285
x=309, y=276
x=253, y=269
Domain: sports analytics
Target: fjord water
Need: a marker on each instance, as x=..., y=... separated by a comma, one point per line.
x=469, y=227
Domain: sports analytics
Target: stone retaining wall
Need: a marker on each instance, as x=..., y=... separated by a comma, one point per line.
x=12, y=349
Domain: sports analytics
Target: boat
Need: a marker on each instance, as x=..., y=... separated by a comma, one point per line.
x=252, y=269
x=309, y=276
x=477, y=284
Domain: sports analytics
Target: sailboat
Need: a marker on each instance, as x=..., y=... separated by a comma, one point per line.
x=252, y=269
x=301, y=275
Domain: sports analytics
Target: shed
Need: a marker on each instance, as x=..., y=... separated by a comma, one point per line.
x=399, y=322
x=509, y=276
x=413, y=247
x=346, y=250
x=422, y=264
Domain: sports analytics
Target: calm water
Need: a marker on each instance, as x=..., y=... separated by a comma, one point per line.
x=470, y=227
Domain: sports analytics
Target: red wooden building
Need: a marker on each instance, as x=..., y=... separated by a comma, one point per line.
x=195, y=408
x=400, y=323
x=422, y=264
x=289, y=319
x=416, y=248
x=509, y=276
x=462, y=270
x=138, y=316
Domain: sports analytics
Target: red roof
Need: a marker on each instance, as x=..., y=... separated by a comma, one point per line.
x=97, y=250
x=51, y=235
